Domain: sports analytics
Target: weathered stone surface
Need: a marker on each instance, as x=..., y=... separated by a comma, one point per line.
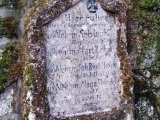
x=8, y=25
x=143, y=48
x=13, y=116
x=82, y=62
x=3, y=43
x=6, y=99
x=8, y=12
x=143, y=38
x=10, y=108
x=70, y=46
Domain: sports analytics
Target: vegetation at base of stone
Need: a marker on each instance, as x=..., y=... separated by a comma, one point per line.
x=9, y=27
x=147, y=71
x=8, y=64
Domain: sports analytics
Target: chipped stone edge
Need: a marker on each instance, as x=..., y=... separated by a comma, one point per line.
x=37, y=104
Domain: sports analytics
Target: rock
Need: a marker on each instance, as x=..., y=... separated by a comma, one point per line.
x=11, y=116
x=6, y=102
x=145, y=109
x=8, y=12
x=143, y=47
x=82, y=62
x=87, y=74
x=76, y=64
x=3, y=43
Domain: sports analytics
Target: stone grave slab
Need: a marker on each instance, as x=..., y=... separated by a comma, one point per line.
x=82, y=62
x=79, y=63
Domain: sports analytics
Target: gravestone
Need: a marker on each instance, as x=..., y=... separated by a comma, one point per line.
x=78, y=50
x=82, y=62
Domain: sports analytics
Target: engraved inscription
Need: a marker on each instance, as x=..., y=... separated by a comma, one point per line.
x=82, y=64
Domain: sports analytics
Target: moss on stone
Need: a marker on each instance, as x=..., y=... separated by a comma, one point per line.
x=158, y=101
x=149, y=4
x=148, y=26
x=10, y=3
x=9, y=27
x=29, y=73
x=9, y=58
x=147, y=38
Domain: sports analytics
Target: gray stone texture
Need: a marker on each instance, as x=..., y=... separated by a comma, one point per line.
x=82, y=62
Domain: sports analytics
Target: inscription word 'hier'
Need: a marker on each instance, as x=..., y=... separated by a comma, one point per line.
x=82, y=64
